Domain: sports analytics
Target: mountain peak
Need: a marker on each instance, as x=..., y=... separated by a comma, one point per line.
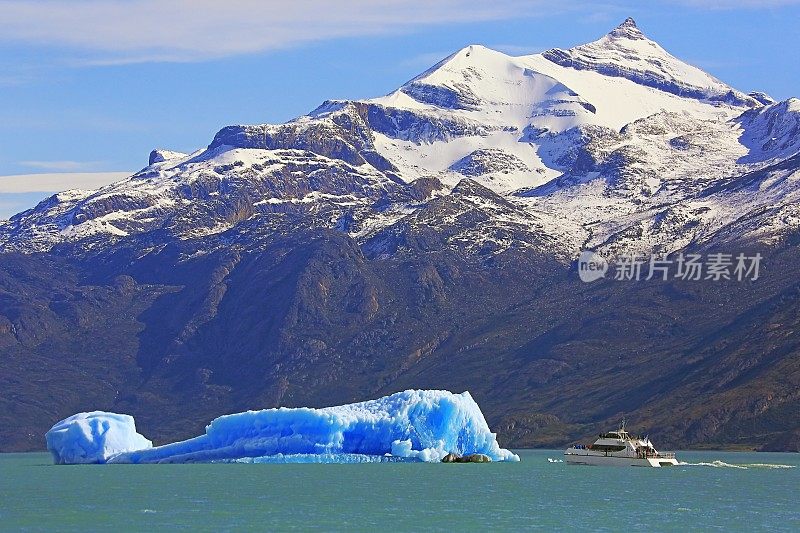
x=627, y=30
x=626, y=52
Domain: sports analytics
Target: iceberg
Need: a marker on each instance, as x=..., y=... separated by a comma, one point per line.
x=93, y=437
x=414, y=425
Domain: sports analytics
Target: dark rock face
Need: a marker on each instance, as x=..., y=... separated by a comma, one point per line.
x=324, y=139
x=155, y=157
x=460, y=97
x=762, y=98
x=487, y=160
x=419, y=127
x=160, y=155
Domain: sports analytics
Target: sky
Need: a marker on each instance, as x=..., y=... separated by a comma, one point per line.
x=89, y=87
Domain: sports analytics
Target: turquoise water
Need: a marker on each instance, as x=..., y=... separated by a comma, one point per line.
x=535, y=493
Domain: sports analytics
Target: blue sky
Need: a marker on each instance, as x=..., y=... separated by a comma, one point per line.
x=92, y=86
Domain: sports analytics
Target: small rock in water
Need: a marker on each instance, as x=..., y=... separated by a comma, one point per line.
x=472, y=458
x=477, y=458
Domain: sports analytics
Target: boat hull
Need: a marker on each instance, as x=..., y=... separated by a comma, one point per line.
x=609, y=460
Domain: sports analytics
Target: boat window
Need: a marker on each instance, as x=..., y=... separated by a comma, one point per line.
x=607, y=448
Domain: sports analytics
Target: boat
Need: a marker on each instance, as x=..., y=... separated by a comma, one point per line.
x=619, y=448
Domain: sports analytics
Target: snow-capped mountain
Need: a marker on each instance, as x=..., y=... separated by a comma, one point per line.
x=425, y=239
x=613, y=134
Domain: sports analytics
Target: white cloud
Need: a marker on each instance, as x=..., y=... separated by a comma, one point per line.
x=120, y=31
x=114, y=32
x=62, y=166
x=55, y=182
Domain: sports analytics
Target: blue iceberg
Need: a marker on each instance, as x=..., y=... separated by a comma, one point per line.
x=94, y=437
x=415, y=425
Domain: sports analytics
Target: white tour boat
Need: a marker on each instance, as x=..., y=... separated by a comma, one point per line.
x=619, y=448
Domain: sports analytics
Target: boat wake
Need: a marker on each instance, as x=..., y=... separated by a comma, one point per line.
x=551, y=460
x=742, y=466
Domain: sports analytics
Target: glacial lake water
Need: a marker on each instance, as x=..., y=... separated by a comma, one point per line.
x=730, y=491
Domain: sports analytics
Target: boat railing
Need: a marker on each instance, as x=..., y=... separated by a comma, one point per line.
x=659, y=455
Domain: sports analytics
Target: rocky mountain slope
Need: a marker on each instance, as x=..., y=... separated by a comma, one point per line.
x=428, y=238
